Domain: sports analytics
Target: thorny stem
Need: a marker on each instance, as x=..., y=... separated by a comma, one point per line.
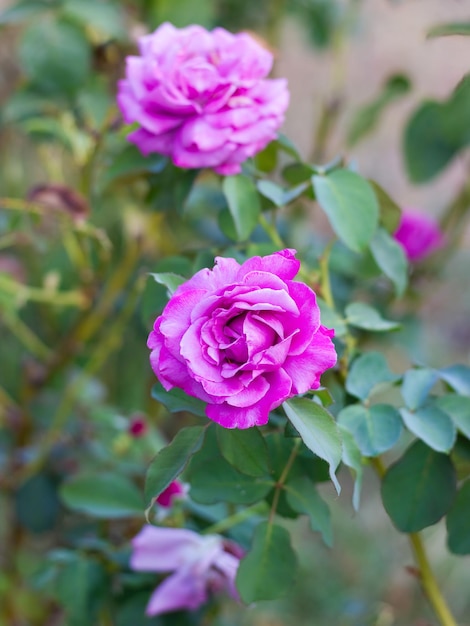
x=426, y=575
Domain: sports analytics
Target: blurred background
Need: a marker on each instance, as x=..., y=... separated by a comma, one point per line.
x=342, y=59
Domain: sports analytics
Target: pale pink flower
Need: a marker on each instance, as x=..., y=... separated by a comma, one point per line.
x=202, y=98
x=200, y=565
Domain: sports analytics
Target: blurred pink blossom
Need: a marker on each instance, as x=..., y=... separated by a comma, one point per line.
x=202, y=98
x=200, y=564
x=174, y=490
x=418, y=234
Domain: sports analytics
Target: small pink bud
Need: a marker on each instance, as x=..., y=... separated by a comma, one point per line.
x=138, y=426
x=173, y=491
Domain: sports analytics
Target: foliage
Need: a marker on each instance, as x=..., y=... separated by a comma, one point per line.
x=96, y=239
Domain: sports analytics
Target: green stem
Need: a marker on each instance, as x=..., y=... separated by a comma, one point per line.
x=25, y=335
x=235, y=519
x=426, y=575
x=326, y=292
x=110, y=342
x=271, y=231
x=282, y=479
x=36, y=294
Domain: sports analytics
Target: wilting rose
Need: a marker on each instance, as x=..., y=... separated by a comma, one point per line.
x=419, y=235
x=242, y=338
x=202, y=97
x=200, y=566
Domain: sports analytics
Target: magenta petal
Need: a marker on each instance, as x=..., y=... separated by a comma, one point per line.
x=282, y=264
x=419, y=235
x=305, y=369
x=212, y=87
x=235, y=417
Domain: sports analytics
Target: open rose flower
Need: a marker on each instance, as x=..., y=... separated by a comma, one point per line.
x=419, y=235
x=242, y=338
x=202, y=98
x=200, y=566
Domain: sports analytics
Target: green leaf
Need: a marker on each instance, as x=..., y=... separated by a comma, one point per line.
x=55, y=55
x=368, y=371
x=270, y=190
x=428, y=149
x=104, y=495
x=391, y=259
x=431, y=425
x=286, y=145
x=419, y=488
x=390, y=212
x=331, y=319
x=243, y=202
x=37, y=505
x=458, y=537
x=375, y=429
x=318, y=431
x=364, y=316
x=417, y=383
x=169, y=462
x=177, y=400
x=266, y=160
x=353, y=459
x=169, y=280
x=277, y=194
x=350, y=205
x=303, y=498
x=436, y=132
x=446, y=30
x=215, y=480
x=367, y=118
x=130, y=162
x=80, y=587
x=268, y=571
x=24, y=10
x=297, y=173
x=458, y=407
x=458, y=377
x=104, y=16
x=244, y=449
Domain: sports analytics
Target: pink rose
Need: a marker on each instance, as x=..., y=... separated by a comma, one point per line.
x=202, y=97
x=242, y=338
x=419, y=235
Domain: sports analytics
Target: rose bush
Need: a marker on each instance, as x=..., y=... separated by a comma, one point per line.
x=418, y=234
x=202, y=97
x=242, y=338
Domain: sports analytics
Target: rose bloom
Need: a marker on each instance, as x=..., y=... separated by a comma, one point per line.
x=200, y=566
x=202, y=98
x=242, y=338
x=419, y=235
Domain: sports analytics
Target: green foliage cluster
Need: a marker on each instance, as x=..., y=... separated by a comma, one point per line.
x=102, y=237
